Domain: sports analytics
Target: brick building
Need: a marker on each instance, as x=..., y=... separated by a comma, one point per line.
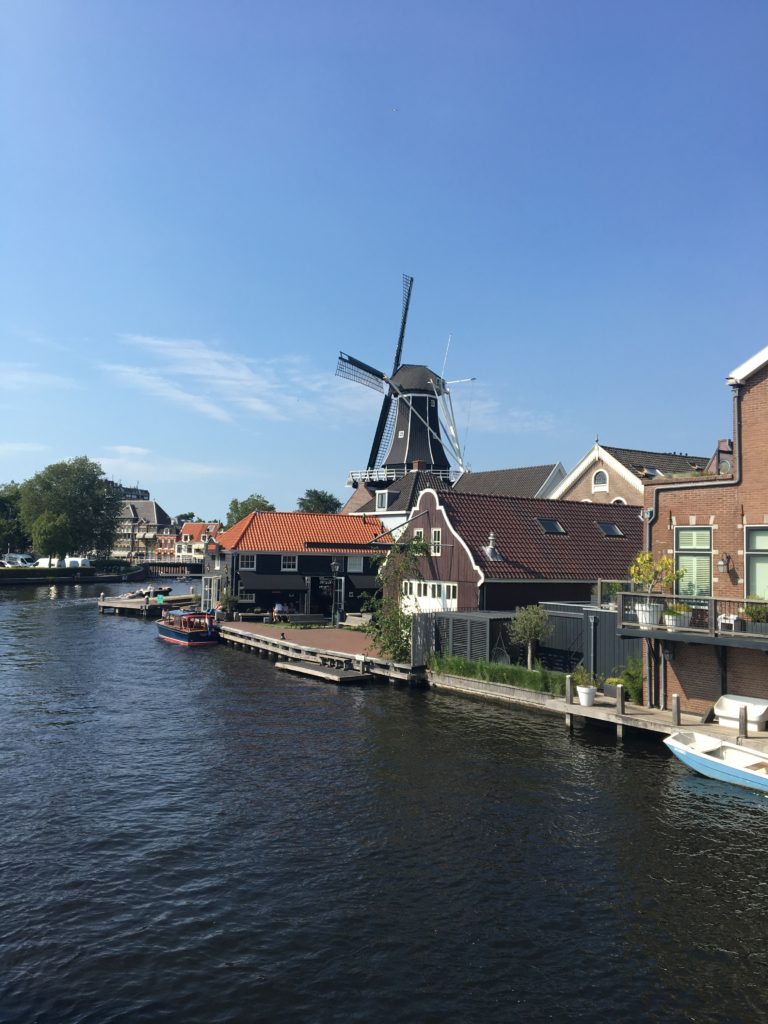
x=716, y=529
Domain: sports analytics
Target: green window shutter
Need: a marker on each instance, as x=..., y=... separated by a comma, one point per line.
x=697, y=578
x=694, y=539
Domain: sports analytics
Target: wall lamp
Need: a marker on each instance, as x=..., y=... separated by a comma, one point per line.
x=724, y=562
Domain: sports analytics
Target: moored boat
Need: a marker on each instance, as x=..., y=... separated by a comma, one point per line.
x=190, y=629
x=719, y=759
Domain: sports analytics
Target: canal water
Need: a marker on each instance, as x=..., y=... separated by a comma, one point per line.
x=190, y=836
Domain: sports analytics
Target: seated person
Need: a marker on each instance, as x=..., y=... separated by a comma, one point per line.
x=278, y=611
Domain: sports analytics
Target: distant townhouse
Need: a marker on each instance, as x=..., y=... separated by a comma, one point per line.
x=496, y=553
x=711, y=636
x=617, y=476
x=191, y=540
x=309, y=562
x=138, y=527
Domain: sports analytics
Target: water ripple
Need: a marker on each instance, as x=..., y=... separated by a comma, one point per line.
x=191, y=836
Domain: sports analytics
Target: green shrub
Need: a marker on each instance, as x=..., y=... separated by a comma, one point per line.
x=539, y=679
x=632, y=678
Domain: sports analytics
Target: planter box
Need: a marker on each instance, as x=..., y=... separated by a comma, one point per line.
x=649, y=613
x=586, y=695
x=681, y=621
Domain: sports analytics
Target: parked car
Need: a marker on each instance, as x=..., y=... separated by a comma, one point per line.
x=12, y=559
x=50, y=563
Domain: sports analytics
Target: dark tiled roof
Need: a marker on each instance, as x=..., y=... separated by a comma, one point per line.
x=407, y=490
x=523, y=482
x=147, y=511
x=667, y=463
x=583, y=552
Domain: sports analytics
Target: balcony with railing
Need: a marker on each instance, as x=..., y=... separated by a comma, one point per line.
x=728, y=622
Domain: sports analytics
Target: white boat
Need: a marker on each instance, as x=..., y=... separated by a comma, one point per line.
x=719, y=759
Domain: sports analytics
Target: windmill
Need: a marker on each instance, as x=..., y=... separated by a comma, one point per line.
x=416, y=404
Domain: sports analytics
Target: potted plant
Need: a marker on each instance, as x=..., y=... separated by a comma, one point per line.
x=648, y=573
x=757, y=614
x=227, y=604
x=608, y=592
x=585, y=686
x=677, y=615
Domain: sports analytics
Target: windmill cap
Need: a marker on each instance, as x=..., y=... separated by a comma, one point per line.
x=411, y=377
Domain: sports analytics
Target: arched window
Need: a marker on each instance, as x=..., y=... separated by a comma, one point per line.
x=600, y=481
x=618, y=501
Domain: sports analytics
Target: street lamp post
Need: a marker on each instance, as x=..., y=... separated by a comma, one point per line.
x=335, y=574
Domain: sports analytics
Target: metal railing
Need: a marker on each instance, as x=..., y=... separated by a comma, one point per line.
x=676, y=613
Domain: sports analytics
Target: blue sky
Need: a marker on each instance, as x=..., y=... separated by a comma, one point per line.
x=203, y=203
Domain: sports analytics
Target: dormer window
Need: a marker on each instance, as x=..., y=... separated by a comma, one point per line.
x=610, y=530
x=382, y=500
x=551, y=526
x=600, y=481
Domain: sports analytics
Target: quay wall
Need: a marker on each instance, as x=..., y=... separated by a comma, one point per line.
x=496, y=691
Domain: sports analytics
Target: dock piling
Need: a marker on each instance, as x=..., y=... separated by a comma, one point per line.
x=676, y=710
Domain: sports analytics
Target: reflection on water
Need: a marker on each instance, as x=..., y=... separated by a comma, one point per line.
x=192, y=836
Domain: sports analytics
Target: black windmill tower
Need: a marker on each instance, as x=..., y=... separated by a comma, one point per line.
x=416, y=403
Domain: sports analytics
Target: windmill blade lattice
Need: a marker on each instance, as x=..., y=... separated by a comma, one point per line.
x=354, y=369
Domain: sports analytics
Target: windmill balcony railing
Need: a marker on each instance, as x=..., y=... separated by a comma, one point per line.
x=679, y=613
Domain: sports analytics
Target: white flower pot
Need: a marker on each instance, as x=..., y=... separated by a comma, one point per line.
x=649, y=613
x=681, y=621
x=586, y=695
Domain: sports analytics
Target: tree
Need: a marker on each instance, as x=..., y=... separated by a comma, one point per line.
x=390, y=624
x=240, y=509
x=318, y=501
x=530, y=626
x=70, y=507
x=13, y=536
x=187, y=517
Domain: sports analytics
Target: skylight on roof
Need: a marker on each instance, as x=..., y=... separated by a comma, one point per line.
x=611, y=530
x=551, y=526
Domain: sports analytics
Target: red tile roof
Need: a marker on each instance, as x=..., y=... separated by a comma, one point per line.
x=196, y=530
x=583, y=552
x=288, y=532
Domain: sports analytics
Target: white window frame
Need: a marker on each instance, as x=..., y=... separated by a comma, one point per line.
x=247, y=561
x=602, y=486
x=381, y=501
x=354, y=563
x=436, y=541
x=289, y=563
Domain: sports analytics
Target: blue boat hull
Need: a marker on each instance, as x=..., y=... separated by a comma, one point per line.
x=186, y=637
x=713, y=768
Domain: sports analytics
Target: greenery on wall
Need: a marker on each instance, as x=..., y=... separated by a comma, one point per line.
x=540, y=679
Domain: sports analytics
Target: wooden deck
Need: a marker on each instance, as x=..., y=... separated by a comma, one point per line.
x=146, y=606
x=604, y=711
x=327, y=652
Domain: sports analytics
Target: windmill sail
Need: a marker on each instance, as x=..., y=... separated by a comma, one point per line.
x=386, y=425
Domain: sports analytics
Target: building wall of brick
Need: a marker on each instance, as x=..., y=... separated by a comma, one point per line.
x=727, y=507
x=618, y=487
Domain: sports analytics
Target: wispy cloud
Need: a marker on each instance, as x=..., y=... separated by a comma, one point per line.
x=156, y=468
x=489, y=416
x=213, y=376
x=21, y=447
x=26, y=376
x=150, y=383
x=127, y=449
